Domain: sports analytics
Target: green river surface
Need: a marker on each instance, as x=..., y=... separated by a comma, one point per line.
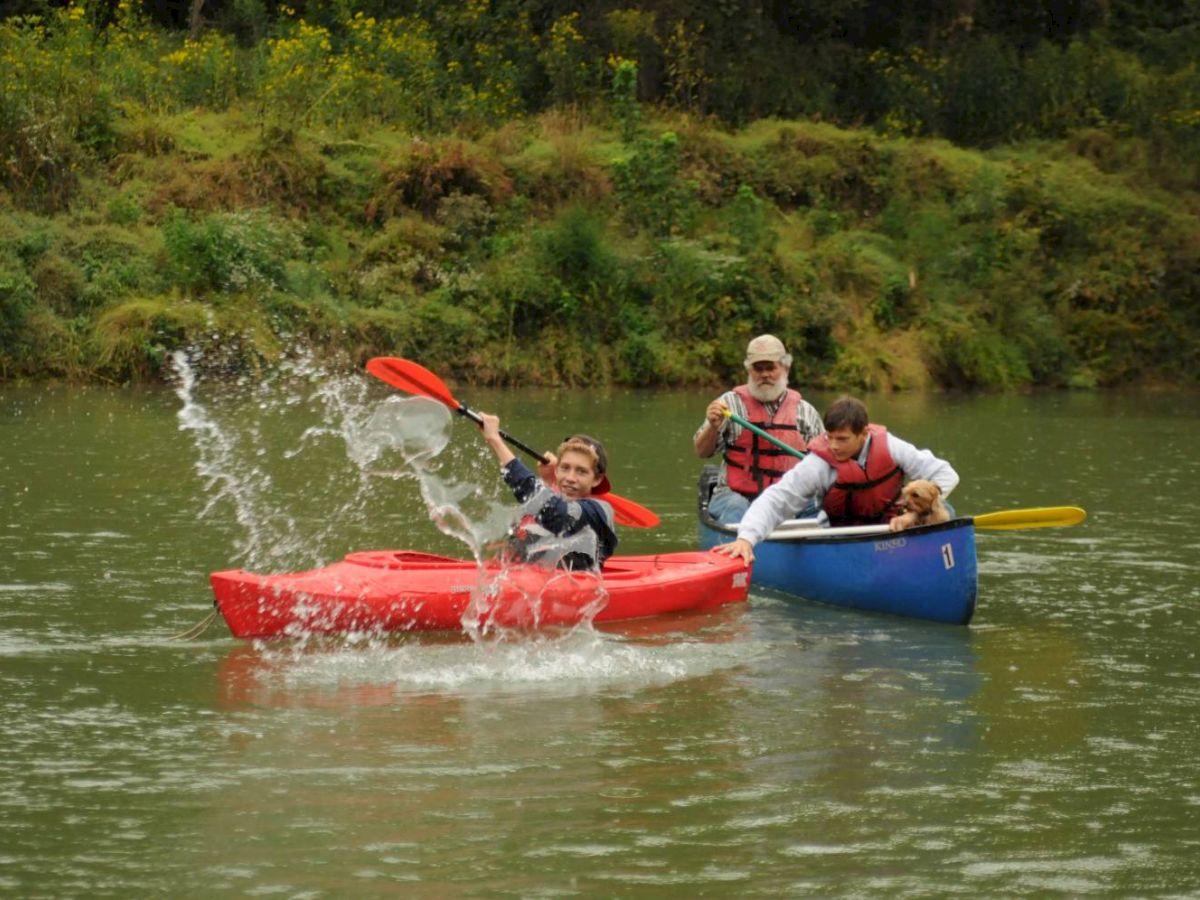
x=771, y=749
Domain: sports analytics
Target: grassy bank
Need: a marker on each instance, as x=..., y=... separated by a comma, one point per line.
x=559, y=250
x=347, y=190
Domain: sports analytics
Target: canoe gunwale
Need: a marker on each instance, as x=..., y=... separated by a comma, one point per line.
x=835, y=535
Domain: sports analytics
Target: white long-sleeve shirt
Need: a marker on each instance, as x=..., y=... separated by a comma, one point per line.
x=812, y=478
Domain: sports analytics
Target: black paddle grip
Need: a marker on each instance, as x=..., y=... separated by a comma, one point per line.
x=464, y=410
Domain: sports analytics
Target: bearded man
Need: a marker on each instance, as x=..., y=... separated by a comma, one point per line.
x=749, y=463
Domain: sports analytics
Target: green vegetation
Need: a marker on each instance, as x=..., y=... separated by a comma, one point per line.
x=615, y=195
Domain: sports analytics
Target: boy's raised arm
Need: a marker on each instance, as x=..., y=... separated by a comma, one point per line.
x=491, y=434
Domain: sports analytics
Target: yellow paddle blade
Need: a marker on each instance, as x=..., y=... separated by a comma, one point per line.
x=1045, y=517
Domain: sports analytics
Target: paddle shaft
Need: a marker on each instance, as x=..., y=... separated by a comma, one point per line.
x=1007, y=520
x=464, y=410
x=413, y=378
x=730, y=414
x=796, y=528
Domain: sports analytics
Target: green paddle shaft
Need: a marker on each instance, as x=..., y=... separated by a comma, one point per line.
x=730, y=414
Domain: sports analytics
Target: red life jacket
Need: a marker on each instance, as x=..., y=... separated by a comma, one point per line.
x=858, y=497
x=753, y=464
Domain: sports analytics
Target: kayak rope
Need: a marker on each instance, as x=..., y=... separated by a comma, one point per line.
x=196, y=630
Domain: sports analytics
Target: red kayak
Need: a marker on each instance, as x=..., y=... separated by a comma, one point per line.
x=402, y=590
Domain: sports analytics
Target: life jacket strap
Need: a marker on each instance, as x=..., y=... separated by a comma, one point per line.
x=866, y=485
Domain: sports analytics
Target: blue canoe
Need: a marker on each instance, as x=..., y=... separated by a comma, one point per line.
x=926, y=573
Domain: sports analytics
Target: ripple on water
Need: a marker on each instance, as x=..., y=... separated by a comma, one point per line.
x=805, y=850
x=47, y=587
x=582, y=660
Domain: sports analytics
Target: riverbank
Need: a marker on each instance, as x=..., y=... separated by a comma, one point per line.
x=578, y=250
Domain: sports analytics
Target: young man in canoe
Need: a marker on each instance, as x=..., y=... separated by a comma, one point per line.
x=855, y=471
x=750, y=464
x=561, y=504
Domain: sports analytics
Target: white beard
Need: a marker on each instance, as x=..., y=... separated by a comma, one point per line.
x=768, y=393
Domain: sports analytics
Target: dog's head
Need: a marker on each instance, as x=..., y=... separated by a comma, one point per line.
x=920, y=496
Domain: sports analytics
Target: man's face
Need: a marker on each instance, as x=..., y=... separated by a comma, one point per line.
x=768, y=380
x=844, y=444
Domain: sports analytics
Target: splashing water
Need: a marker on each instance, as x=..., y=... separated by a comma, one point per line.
x=244, y=432
x=419, y=430
x=271, y=447
x=544, y=664
x=246, y=440
x=244, y=487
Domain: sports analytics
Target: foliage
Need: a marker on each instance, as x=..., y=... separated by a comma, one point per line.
x=626, y=109
x=426, y=173
x=650, y=186
x=17, y=303
x=53, y=114
x=227, y=251
x=388, y=71
x=459, y=182
x=203, y=72
x=567, y=59
x=979, y=78
x=133, y=338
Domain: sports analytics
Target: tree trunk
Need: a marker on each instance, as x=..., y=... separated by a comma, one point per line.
x=194, y=20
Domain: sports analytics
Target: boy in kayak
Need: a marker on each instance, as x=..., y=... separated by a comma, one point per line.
x=855, y=470
x=562, y=503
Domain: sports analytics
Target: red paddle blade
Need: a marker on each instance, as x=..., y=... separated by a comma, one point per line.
x=412, y=378
x=628, y=513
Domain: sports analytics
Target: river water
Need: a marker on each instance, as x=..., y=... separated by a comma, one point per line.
x=770, y=749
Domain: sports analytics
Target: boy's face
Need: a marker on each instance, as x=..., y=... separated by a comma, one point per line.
x=845, y=444
x=575, y=475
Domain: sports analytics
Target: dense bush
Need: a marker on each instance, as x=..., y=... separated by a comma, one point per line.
x=227, y=252
x=367, y=182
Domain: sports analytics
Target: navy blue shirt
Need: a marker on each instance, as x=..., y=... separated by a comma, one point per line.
x=563, y=518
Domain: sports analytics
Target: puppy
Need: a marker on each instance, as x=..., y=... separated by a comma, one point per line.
x=922, y=502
